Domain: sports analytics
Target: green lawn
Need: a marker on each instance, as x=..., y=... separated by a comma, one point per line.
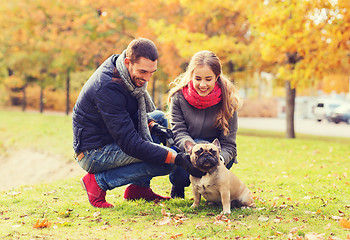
x=301, y=189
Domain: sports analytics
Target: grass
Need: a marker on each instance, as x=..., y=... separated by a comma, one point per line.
x=52, y=133
x=301, y=188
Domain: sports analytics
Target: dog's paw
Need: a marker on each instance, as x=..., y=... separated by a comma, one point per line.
x=209, y=203
x=226, y=212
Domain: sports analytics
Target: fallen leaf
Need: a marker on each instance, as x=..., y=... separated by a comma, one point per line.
x=164, y=213
x=164, y=221
x=13, y=193
x=65, y=214
x=344, y=223
x=96, y=214
x=314, y=236
x=144, y=213
x=103, y=228
x=44, y=224
x=277, y=233
x=277, y=220
x=177, y=235
x=263, y=218
x=221, y=219
x=199, y=226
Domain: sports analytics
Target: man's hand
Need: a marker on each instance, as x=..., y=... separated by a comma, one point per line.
x=183, y=160
x=163, y=133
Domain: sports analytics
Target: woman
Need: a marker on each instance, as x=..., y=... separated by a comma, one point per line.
x=203, y=106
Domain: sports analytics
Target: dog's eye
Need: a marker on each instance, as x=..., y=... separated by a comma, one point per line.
x=200, y=151
x=213, y=152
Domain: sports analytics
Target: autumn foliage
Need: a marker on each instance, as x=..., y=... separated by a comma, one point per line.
x=299, y=41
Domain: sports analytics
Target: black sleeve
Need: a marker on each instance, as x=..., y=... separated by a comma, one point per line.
x=111, y=101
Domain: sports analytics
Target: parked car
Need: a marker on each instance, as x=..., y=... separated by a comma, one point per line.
x=324, y=108
x=341, y=114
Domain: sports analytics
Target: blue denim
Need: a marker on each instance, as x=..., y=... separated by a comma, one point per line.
x=113, y=168
x=180, y=178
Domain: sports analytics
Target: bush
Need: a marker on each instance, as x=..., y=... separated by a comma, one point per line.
x=54, y=99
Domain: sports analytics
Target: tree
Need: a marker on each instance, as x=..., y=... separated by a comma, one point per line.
x=298, y=38
x=45, y=41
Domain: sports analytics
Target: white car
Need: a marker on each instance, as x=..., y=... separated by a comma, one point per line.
x=324, y=108
x=341, y=114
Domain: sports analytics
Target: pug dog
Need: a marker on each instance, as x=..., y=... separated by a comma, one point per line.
x=219, y=184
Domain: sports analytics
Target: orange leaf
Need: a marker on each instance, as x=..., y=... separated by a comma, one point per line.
x=344, y=223
x=177, y=235
x=45, y=223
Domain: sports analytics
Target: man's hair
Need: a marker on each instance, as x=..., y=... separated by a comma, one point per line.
x=141, y=47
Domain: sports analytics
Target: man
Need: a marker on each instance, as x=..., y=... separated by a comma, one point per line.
x=113, y=120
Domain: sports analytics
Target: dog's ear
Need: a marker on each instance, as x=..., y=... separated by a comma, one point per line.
x=188, y=146
x=217, y=144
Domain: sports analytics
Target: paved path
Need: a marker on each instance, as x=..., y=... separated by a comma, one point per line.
x=306, y=126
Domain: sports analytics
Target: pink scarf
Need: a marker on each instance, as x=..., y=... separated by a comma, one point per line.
x=193, y=98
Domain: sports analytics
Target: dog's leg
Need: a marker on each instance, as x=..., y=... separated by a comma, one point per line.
x=225, y=200
x=196, y=197
x=246, y=198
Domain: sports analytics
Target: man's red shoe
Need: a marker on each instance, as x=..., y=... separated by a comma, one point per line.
x=95, y=194
x=134, y=192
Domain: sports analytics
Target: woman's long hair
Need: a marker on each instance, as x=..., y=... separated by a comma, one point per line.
x=230, y=101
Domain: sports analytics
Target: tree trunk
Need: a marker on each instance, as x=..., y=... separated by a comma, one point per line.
x=290, y=105
x=41, y=107
x=24, y=99
x=67, y=92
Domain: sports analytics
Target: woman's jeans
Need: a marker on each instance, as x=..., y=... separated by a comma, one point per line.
x=113, y=168
x=180, y=178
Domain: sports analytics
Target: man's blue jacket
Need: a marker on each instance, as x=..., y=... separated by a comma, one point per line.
x=106, y=112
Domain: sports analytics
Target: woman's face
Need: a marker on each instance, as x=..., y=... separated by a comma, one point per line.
x=203, y=80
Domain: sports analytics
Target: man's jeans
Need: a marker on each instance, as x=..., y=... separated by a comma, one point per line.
x=113, y=168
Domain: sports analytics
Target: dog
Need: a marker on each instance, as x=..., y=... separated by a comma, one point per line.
x=219, y=184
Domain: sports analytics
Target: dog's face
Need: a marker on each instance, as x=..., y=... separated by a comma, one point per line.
x=204, y=156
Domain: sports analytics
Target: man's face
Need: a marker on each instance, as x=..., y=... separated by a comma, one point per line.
x=141, y=71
